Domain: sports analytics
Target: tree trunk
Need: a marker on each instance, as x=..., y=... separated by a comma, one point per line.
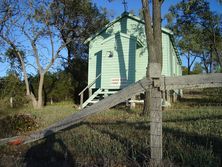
x=45, y=95
x=188, y=64
x=204, y=60
x=29, y=93
x=218, y=55
x=151, y=50
x=69, y=60
x=40, y=90
x=211, y=60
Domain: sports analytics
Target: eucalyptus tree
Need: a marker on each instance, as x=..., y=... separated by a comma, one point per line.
x=77, y=19
x=198, y=31
x=29, y=29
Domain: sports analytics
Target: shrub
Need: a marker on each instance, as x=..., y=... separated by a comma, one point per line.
x=16, y=124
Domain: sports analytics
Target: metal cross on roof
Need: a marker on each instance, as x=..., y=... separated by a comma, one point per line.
x=125, y=5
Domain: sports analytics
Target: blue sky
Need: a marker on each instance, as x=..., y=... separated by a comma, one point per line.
x=116, y=8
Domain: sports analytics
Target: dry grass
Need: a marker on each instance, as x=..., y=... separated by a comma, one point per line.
x=192, y=136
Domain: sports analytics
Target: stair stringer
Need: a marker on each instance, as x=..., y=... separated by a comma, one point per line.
x=94, y=95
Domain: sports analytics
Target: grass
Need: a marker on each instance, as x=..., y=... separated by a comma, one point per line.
x=192, y=136
x=45, y=116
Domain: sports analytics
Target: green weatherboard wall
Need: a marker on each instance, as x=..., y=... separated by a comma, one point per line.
x=119, y=53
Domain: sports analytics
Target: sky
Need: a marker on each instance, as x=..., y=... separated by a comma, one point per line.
x=116, y=8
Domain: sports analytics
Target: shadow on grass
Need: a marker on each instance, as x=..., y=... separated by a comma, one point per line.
x=141, y=156
x=212, y=117
x=202, y=140
x=51, y=153
x=135, y=154
x=201, y=101
x=205, y=141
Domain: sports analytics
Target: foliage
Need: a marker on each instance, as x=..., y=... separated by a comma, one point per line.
x=62, y=89
x=197, y=69
x=14, y=125
x=11, y=86
x=57, y=86
x=198, y=31
x=79, y=77
x=79, y=25
x=62, y=85
x=14, y=61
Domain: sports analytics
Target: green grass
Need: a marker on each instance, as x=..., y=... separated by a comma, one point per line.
x=192, y=136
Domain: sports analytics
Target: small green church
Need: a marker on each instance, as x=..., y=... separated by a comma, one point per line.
x=118, y=56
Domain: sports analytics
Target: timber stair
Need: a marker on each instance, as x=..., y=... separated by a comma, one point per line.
x=97, y=96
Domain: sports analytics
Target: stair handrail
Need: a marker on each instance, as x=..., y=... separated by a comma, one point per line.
x=87, y=87
x=91, y=84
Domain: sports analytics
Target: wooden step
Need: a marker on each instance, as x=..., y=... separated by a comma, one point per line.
x=94, y=101
x=108, y=92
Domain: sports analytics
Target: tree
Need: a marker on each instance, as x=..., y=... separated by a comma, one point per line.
x=12, y=88
x=197, y=69
x=30, y=28
x=198, y=31
x=184, y=70
x=77, y=20
x=154, y=39
x=57, y=86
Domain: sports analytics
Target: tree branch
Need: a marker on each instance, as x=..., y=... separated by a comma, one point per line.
x=21, y=60
x=56, y=55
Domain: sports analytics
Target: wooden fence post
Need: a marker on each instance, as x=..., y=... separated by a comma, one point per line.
x=133, y=104
x=11, y=102
x=155, y=115
x=156, y=126
x=81, y=100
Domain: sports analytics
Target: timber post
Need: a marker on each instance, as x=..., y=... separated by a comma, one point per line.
x=155, y=114
x=11, y=102
x=90, y=92
x=81, y=100
x=133, y=104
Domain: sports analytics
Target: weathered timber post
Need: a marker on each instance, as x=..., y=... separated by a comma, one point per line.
x=81, y=100
x=172, y=96
x=133, y=104
x=155, y=109
x=90, y=92
x=11, y=102
x=51, y=101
